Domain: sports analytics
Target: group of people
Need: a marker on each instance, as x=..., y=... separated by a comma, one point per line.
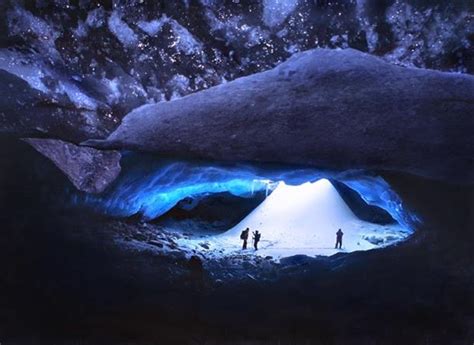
x=245, y=236
x=257, y=235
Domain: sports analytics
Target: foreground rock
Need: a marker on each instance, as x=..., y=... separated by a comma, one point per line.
x=90, y=170
x=328, y=108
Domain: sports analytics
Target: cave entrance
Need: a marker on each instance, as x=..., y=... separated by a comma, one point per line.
x=303, y=219
x=297, y=209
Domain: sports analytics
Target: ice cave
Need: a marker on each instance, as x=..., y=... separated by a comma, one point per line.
x=298, y=210
x=140, y=139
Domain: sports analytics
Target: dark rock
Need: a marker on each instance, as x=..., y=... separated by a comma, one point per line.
x=204, y=245
x=155, y=243
x=196, y=266
x=90, y=170
x=296, y=260
x=328, y=108
x=173, y=245
x=195, y=261
x=139, y=237
x=248, y=265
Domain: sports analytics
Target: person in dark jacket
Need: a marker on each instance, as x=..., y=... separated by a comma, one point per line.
x=256, y=239
x=339, y=235
x=245, y=236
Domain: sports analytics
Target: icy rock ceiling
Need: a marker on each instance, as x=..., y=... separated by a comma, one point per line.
x=112, y=56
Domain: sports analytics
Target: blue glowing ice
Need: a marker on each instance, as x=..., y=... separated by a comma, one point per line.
x=374, y=190
x=151, y=186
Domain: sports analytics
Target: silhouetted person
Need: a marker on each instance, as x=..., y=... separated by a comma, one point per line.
x=339, y=235
x=245, y=236
x=256, y=238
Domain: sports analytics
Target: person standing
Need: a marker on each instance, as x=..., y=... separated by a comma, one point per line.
x=339, y=235
x=256, y=239
x=245, y=236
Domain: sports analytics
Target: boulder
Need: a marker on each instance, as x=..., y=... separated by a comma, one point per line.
x=88, y=169
x=339, y=109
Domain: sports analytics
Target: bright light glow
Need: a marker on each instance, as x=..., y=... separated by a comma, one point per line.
x=303, y=220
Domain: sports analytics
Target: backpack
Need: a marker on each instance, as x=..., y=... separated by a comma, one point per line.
x=242, y=235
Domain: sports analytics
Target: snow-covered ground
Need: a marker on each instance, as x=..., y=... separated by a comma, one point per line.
x=301, y=220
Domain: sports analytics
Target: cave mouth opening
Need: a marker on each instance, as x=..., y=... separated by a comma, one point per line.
x=303, y=220
x=296, y=209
